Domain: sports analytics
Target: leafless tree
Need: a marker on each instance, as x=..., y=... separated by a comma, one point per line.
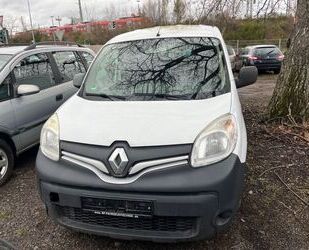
x=179, y=10
x=291, y=95
x=90, y=10
x=11, y=23
x=156, y=11
x=110, y=12
x=201, y=11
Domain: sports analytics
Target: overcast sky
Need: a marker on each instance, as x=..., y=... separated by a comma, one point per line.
x=43, y=9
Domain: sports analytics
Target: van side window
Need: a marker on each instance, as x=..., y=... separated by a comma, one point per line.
x=35, y=70
x=68, y=64
x=5, y=89
x=88, y=57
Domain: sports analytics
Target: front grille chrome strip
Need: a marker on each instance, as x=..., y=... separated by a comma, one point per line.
x=80, y=160
x=147, y=164
x=136, y=172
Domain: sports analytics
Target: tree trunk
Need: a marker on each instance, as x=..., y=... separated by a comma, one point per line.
x=291, y=94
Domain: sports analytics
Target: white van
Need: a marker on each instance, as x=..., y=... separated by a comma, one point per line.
x=153, y=146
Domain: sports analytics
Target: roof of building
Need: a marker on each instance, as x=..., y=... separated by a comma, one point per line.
x=169, y=31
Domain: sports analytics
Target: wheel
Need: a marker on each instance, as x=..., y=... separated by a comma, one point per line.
x=6, y=162
x=277, y=71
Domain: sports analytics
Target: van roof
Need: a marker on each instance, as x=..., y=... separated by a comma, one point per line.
x=169, y=31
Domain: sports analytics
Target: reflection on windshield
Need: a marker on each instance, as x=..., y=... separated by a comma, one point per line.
x=3, y=60
x=160, y=69
x=267, y=51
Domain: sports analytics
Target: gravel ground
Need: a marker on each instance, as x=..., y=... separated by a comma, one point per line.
x=270, y=217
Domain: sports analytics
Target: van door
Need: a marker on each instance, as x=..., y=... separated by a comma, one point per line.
x=33, y=110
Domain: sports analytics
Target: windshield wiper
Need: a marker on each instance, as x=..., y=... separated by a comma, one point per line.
x=103, y=95
x=164, y=96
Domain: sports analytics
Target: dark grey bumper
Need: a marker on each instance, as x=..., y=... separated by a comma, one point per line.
x=267, y=66
x=208, y=196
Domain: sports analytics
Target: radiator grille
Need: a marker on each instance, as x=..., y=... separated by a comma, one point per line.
x=155, y=223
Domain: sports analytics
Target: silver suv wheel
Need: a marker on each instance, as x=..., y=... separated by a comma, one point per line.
x=4, y=163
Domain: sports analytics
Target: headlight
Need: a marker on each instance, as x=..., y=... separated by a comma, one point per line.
x=50, y=138
x=216, y=142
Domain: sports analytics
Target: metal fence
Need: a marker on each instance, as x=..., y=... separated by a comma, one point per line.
x=238, y=44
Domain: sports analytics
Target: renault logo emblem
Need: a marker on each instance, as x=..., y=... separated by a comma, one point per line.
x=118, y=160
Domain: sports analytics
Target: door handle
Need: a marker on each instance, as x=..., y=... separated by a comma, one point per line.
x=59, y=97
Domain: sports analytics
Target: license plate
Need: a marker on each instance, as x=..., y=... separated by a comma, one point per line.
x=119, y=208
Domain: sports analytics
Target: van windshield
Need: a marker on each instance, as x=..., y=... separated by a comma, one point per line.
x=158, y=69
x=3, y=60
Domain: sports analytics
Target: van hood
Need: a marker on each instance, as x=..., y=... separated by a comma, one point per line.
x=143, y=123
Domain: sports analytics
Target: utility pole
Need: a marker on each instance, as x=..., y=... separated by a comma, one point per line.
x=52, y=18
x=23, y=24
x=80, y=11
x=31, y=24
x=288, y=7
x=138, y=7
x=59, y=19
x=251, y=9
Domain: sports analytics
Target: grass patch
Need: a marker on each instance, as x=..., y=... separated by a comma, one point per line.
x=4, y=215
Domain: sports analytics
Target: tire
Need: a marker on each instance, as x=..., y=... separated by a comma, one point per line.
x=6, y=162
x=277, y=71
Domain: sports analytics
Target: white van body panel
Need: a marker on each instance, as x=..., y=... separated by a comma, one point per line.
x=236, y=110
x=151, y=123
x=155, y=123
x=241, y=146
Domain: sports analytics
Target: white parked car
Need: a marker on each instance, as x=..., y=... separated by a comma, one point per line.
x=153, y=146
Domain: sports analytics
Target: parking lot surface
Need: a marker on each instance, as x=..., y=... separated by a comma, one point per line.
x=271, y=216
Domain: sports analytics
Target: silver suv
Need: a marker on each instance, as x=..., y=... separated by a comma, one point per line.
x=34, y=82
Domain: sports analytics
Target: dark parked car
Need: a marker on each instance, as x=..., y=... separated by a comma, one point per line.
x=264, y=57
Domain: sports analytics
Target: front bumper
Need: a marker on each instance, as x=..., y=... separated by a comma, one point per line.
x=188, y=204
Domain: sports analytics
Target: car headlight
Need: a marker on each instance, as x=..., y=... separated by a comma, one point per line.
x=216, y=142
x=50, y=138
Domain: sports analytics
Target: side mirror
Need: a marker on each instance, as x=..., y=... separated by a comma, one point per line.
x=25, y=89
x=78, y=80
x=247, y=76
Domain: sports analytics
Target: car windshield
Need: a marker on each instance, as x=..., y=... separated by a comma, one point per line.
x=158, y=69
x=3, y=60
